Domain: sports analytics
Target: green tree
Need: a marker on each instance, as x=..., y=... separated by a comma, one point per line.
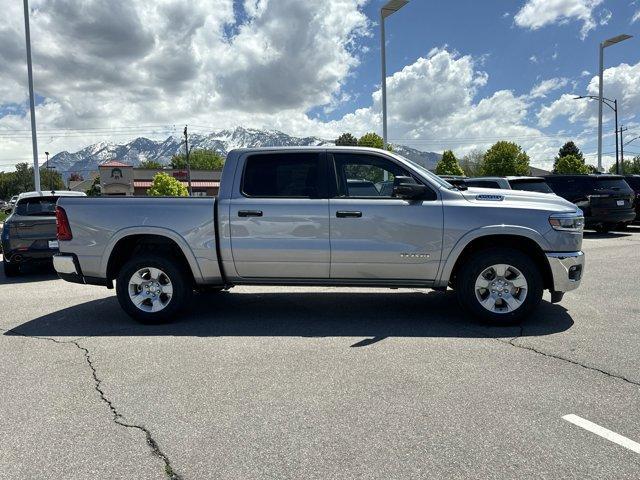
x=167, y=186
x=372, y=140
x=592, y=168
x=346, y=140
x=94, y=190
x=570, y=164
x=151, y=165
x=505, y=158
x=567, y=149
x=448, y=165
x=471, y=163
x=629, y=167
x=21, y=180
x=50, y=180
x=199, y=160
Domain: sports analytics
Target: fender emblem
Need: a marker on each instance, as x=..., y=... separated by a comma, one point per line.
x=492, y=198
x=414, y=255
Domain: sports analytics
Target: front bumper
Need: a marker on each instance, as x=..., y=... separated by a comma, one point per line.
x=68, y=268
x=567, y=269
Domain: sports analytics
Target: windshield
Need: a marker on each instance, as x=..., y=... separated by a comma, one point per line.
x=38, y=206
x=531, y=186
x=427, y=173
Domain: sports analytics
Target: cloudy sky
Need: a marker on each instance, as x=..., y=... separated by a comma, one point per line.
x=461, y=74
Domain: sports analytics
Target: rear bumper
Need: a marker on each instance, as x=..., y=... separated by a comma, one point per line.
x=68, y=269
x=567, y=269
x=22, y=256
x=610, y=217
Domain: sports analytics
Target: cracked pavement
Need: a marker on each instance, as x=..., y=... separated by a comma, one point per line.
x=321, y=383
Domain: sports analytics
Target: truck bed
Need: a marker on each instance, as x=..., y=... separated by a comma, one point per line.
x=99, y=223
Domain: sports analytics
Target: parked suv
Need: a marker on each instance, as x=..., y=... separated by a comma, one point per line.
x=634, y=183
x=29, y=233
x=606, y=200
x=529, y=184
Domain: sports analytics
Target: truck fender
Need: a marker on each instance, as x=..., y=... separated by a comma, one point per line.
x=159, y=231
x=514, y=230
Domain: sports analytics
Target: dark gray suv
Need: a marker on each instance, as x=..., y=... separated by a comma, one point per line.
x=29, y=233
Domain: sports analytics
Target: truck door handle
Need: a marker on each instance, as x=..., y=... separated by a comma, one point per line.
x=250, y=213
x=348, y=214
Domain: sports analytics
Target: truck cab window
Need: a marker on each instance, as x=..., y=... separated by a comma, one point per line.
x=288, y=175
x=366, y=176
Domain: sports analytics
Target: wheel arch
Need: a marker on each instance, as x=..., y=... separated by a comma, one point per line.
x=527, y=244
x=128, y=243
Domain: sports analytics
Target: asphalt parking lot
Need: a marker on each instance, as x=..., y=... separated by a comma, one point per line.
x=321, y=383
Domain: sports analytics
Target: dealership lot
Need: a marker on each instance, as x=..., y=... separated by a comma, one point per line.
x=322, y=383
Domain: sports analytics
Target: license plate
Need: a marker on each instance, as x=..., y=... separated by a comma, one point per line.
x=620, y=203
x=53, y=244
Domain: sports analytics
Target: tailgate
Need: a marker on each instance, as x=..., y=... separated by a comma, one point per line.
x=34, y=232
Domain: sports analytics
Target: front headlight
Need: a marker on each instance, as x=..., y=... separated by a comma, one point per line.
x=567, y=222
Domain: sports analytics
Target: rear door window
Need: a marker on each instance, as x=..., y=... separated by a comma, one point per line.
x=531, y=186
x=482, y=183
x=284, y=175
x=37, y=207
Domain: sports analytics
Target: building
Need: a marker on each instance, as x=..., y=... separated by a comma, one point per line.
x=117, y=178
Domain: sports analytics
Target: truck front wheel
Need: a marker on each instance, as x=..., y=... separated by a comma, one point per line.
x=501, y=286
x=153, y=288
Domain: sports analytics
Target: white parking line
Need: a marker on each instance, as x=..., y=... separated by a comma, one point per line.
x=603, y=432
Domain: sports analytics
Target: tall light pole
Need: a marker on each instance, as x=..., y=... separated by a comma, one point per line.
x=613, y=105
x=391, y=7
x=32, y=102
x=603, y=45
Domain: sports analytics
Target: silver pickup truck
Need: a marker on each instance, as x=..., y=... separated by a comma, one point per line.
x=336, y=216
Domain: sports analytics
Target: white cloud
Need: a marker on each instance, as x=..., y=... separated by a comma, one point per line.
x=605, y=16
x=533, y=59
x=536, y=14
x=636, y=17
x=621, y=83
x=546, y=86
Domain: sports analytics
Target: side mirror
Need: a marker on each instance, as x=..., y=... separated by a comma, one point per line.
x=406, y=187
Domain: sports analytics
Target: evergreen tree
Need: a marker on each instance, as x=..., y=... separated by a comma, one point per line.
x=567, y=149
x=571, y=164
x=346, y=140
x=448, y=165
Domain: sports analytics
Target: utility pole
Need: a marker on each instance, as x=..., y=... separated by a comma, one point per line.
x=186, y=147
x=621, y=171
x=32, y=102
x=48, y=170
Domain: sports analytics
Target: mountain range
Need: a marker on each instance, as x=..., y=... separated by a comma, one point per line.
x=87, y=159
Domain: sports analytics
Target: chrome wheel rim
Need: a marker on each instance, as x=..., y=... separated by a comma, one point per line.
x=150, y=289
x=501, y=288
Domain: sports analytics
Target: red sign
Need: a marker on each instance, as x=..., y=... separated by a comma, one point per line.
x=179, y=174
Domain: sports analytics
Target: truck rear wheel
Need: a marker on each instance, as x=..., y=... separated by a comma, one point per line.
x=153, y=289
x=501, y=286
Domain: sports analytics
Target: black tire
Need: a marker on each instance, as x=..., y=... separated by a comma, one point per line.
x=10, y=269
x=180, y=281
x=481, y=261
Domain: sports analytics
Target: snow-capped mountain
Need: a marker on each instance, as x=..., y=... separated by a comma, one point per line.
x=140, y=149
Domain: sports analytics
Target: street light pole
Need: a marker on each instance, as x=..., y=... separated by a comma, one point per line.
x=621, y=170
x=391, y=7
x=600, y=94
x=613, y=107
x=603, y=45
x=32, y=103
